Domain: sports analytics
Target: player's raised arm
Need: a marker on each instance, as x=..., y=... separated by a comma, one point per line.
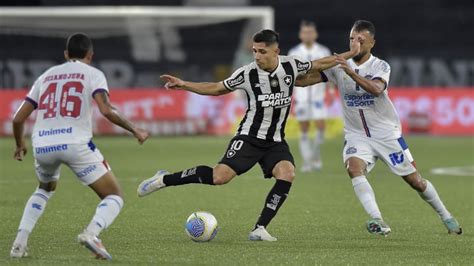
x=330, y=61
x=111, y=113
x=19, y=119
x=373, y=86
x=203, y=88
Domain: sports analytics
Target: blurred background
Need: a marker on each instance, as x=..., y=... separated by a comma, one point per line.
x=429, y=45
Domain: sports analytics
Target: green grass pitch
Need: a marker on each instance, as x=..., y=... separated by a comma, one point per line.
x=321, y=222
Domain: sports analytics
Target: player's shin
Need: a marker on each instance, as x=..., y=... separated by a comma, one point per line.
x=106, y=212
x=366, y=196
x=276, y=197
x=430, y=195
x=318, y=141
x=34, y=208
x=201, y=174
x=305, y=149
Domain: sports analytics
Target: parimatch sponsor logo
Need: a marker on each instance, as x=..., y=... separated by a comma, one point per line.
x=276, y=100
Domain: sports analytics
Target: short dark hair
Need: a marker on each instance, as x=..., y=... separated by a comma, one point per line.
x=307, y=23
x=78, y=44
x=267, y=36
x=361, y=25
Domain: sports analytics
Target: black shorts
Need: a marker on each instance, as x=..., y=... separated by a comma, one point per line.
x=244, y=152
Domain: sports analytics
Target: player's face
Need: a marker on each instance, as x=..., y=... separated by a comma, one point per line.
x=308, y=34
x=367, y=42
x=265, y=56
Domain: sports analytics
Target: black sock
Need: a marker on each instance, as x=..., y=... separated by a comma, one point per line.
x=274, y=200
x=200, y=174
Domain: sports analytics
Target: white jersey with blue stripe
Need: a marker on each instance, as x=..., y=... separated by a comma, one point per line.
x=364, y=113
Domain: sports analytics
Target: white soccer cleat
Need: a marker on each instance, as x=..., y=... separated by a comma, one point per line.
x=152, y=184
x=306, y=168
x=261, y=234
x=18, y=251
x=94, y=244
x=317, y=165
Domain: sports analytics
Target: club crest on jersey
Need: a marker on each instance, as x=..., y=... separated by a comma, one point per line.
x=230, y=153
x=300, y=66
x=288, y=79
x=239, y=79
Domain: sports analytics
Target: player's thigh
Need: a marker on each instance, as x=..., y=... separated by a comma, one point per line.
x=319, y=112
x=240, y=155
x=47, y=164
x=304, y=125
x=87, y=163
x=106, y=185
x=222, y=174
x=273, y=156
x=358, y=156
x=396, y=154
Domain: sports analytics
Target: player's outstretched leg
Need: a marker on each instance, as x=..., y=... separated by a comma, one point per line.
x=364, y=192
x=428, y=193
x=107, y=210
x=34, y=208
x=200, y=174
x=284, y=172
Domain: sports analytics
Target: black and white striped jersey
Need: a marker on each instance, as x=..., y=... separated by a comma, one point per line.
x=268, y=96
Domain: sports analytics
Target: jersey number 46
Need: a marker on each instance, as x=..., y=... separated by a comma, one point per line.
x=69, y=103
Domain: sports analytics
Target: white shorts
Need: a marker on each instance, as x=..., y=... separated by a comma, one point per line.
x=394, y=153
x=85, y=160
x=310, y=110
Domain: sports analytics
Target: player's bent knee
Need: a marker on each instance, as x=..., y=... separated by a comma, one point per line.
x=287, y=176
x=354, y=171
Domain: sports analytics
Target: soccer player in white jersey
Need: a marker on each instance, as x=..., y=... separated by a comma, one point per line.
x=309, y=101
x=268, y=83
x=373, y=131
x=62, y=134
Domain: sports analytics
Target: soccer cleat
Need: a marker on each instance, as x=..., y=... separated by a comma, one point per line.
x=453, y=226
x=18, y=251
x=378, y=226
x=317, y=165
x=95, y=245
x=261, y=234
x=152, y=184
x=306, y=168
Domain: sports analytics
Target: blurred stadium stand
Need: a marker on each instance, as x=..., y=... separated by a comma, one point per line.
x=427, y=43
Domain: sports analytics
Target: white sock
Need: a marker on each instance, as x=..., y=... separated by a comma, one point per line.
x=105, y=214
x=318, y=141
x=431, y=196
x=305, y=148
x=366, y=196
x=34, y=208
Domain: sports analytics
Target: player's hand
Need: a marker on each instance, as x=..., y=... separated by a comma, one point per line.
x=141, y=135
x=343, y=64
x=172, y=82
x=355, y=44
x=20, y=153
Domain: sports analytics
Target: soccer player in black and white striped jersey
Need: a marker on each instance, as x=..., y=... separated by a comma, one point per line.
x=268, y=83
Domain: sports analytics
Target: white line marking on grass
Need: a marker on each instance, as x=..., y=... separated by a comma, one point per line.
x=457, y=171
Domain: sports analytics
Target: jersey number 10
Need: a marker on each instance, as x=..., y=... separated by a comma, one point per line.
x=69, y=103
